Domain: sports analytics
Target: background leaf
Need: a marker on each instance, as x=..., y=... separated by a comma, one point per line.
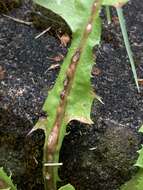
x=113, y=2
x=67, y=187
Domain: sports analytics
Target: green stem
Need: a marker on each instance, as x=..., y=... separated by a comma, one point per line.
x=127, y=44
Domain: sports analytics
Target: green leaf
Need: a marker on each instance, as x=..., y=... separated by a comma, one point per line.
x=74, y=12
x=127, y=44
x=114, y=2
x=66, y=9
x=67, y=187
x=6, y=180
x=136, y=183
x=139, y=162
x=81, y=96
x=41, y=124
x=141, y=129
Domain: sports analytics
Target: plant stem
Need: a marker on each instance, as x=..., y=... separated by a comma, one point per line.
x=52, y=142
x=107, y=9
x=127, y=44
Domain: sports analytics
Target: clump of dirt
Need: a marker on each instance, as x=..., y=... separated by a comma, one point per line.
x=99, y=157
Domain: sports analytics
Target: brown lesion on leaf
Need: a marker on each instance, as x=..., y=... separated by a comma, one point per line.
x=75, y=57
x=3, y=185
x=70, y=75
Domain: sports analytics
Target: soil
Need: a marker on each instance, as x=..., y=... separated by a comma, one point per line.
x=97, y=157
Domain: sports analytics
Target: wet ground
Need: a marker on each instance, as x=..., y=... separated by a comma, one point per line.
x=94, y=157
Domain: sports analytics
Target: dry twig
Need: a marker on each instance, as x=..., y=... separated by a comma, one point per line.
x=18, y=20
x=42, y=33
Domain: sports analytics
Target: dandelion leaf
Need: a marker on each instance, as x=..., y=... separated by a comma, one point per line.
x=81, y=95
x=76, y=13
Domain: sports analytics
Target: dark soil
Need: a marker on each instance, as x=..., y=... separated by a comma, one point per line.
x=98, y=157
